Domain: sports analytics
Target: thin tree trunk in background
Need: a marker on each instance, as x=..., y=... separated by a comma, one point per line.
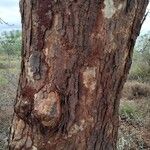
x=75, y=59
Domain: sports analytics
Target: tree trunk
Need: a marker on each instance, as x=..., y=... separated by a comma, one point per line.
x=75, y=59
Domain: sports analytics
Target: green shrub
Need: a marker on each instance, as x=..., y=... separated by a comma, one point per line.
x=130, y=113
x=10, y=42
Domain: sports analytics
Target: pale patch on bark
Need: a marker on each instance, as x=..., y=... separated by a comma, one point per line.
x=110, y=9
x=110, y=129
x=29, y=143
x=89, y=78
x=111, y=45
x=52, y=40
x=120, y=6
x=19, y=129
x=56, y=20
x=77, y=128
x=20, y=143
x=34, y=148
x=96, y=35
x=21, y=138
x=29, y=73
x=49, y=52
x=33, y=66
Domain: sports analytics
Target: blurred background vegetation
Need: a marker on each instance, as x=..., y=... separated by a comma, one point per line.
x=140, y=69
x=134, y=106
x=10, y=50
x=10, y=43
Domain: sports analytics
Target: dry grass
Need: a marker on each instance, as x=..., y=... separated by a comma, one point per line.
x=136, y=90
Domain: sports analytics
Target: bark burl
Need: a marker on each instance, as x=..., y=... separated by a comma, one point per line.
x=76, y=55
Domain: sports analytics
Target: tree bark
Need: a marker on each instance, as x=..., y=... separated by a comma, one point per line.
x=75, y=59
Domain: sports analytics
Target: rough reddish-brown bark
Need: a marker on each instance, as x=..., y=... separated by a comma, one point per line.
x=75, y=59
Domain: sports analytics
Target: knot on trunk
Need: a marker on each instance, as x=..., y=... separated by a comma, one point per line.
x=47, y=110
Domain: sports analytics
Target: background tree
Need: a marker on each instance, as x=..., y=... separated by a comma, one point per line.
x=75, y=59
